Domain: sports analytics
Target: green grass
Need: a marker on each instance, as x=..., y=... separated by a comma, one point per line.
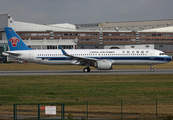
x=77, y=89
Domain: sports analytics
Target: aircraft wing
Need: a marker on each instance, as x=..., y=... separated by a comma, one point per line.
x=79, y=60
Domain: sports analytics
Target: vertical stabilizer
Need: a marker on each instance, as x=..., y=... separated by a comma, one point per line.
x=14, y=41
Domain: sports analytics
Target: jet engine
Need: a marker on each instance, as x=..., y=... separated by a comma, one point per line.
x=104, y=65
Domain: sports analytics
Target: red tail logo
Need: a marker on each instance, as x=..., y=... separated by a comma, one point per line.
x=14, y=41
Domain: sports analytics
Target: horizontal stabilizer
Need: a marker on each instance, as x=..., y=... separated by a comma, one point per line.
x=11, y=54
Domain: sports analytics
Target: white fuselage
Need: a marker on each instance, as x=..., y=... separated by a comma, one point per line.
x=115, y=56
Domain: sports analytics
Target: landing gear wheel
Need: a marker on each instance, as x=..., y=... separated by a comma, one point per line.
x=151, y=70
x=86, y=70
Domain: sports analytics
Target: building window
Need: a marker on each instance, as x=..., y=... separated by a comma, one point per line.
x=82, y=34
x=111, y=34
x=163, y=35
x=133, y=40
x=94, y=34
x=159, y=40
x=51, y=47
x=33, y=34
x=20, y=34
x=70, y=34
x=142, y=35
x=117, y=40
x=88, y=34
x=132, y=46
x=105, y=40
x=116, y=34
x=82, y=40
x=112, y=40
x=40, y=34
x=143, y=40
x=153, y=34
x=58, y=34
x=105, y=34
x=122, y=34
x=94, y=40
x=27, y=34
x=51, y=38
x=168, y=35
x=132, y=34
x=127, y=34
x=88, y=40
x=65, y=34
x=127, y=40
x=159, y=35
x=46, y=34
x=76, y=34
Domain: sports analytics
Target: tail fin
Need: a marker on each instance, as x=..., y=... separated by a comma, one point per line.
x=14, y=41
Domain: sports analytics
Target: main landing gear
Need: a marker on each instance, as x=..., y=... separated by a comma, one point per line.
x=86, y=70
x=151, y=68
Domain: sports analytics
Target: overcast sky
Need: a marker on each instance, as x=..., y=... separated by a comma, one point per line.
x=86, y=11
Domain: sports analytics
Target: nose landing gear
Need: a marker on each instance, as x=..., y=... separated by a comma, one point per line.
x=151, y=68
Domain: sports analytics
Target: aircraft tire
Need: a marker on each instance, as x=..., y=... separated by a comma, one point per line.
x=86, y=70
x=151, y=70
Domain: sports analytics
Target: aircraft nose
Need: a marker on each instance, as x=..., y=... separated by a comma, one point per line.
x=170, y=58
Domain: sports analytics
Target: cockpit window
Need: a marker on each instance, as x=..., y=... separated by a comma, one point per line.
x=162, y=54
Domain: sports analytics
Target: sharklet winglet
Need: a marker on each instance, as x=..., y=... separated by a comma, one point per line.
x=63, y=51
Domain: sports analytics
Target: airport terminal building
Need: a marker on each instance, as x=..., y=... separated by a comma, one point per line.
x=118, y=35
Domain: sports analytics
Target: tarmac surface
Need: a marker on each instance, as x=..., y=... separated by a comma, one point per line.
x=80, y=72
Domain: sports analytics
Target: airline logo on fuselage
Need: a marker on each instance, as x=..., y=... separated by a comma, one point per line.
x=14, y=41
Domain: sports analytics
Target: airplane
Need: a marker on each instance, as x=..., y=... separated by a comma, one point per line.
x=102, y=59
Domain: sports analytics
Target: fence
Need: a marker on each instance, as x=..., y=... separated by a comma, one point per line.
x=37, y=111
x=121, y=109
x=101, y=109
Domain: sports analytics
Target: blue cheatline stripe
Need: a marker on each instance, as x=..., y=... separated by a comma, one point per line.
x=111, y=58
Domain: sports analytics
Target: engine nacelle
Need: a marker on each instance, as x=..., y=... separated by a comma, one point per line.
x=104, y=65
